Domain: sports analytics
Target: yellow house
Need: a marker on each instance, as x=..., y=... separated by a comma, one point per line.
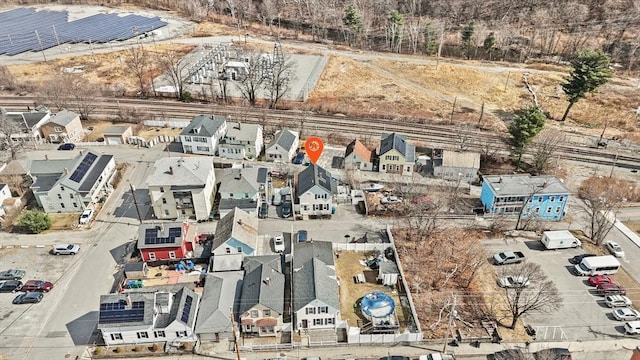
x=397, y=156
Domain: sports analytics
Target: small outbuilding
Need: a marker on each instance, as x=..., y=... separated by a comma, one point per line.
x=117, y=134
x=136, y=271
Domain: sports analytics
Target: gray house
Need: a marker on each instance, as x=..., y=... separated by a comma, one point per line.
x=315, y=189
x=316, y=303
x=203, y=134
x=241, y=188
x=262, y=299
x=283, y=147
x=219, y=299
x=456, y=165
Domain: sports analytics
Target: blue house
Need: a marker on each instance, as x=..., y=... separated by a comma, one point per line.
x=543, y=197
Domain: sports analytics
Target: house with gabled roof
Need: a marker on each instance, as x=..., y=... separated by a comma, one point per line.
x=27, y=124
x=72, y=185
x=203, y=134
x=262, y=298
x=396, y=155
x=220, y=299
x=456, y=165
x=315, y=189
x=64, y=126
x=241, y=188
x=316, y=300
x=236, y=233
x=166, y=241
x=182, y=187
x=241, y=141
x=283, y=147
x=148, y=317
x=358, y=157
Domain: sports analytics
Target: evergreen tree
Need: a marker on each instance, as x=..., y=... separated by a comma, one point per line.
x=489, y=44
x=467, y=39
x=525, y=126
x=353, y=21
x=590, y=70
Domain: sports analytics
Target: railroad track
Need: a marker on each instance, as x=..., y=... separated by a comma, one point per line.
x=439, y=135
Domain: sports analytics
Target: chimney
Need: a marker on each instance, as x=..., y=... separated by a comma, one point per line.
x=239, y=221
x=267, y=281
x=66, y=171
x=46, y=157
x=171, y=170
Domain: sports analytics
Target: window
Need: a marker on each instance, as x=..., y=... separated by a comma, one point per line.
x=62, y=205
x=318, y=321
x=161, y=189
x=71, y=196
x=75, y=205
x=557, y=209
x=323, y=310
x=539, y=199
x=549, y=210
x=537, y=210
x=267, y=329
x=202, y=148
x=329, y=321
x=164, y=201
x=561, y=199
x=187, y=138
x=247, y=328
x=239, y=249
x=227, y=250
x=254, y=313
x=181, y=333
x=116, y=336
x=172, y=254
x=159, y=333
x=152, y=256
x=408, y=168
x=61, y=188
x=266, y=313
x=552, y=198
x=246, y=195
x=142, y=335
x=166, y=212
x=384, y=167
x=59, y=196
x=311, y=310
x=57, y=129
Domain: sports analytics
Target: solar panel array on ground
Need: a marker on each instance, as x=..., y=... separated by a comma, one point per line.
x=25, y=29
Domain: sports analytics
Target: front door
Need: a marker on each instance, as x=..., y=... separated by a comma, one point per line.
x=305, y=324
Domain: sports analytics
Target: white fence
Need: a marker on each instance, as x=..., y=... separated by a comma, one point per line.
x=361, y=246
x=355, y=337
x=94, y=143
x=167, y=123
x=138, y=141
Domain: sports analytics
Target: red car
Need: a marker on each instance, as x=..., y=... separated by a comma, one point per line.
x=600, y=279
x=37, y=285
x=610, y=289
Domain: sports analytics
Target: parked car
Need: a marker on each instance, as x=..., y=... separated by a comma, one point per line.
x=615, y=249
x=37, y=285
x=391, y=200
x=632, y=327
x=12, y=274
x=276, y=198
x=508, y=257
x=286, y=208
x=278, y=243
x=264, y=211
x=10, y=286
x=617, y=301
x=553, y=354
x=67, y=146
x=299, y=159
x=395, y=357
x=610, y=289
x=302, y=235
x=513, y=282
x=596, y=280
x=578, y=258
x=28, y=298
x=626, y=314
x=437, y=356
x=86, y=216
x=65, y=249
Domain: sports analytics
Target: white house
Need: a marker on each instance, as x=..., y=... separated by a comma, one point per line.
x=203, y=134
x=241, y=188
x=283, y=147
x=27, y=124
x=74, y=184
x=262, y=299
x=146, y=317
x=315, y=190
x=182, y=187
x=242, y=141
x=316, y=300
x=358, y=157
x=236, y=233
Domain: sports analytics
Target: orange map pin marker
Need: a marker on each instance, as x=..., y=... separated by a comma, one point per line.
x=314, y=147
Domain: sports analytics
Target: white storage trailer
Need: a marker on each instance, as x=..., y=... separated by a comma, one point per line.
x=559, y=239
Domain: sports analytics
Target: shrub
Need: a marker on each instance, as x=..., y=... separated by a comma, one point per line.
x=155, y=347
x=98, y=351
x=138, y=348
x=34, y=221
x=118, y=349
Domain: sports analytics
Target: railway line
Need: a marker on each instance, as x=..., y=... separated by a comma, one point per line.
x=440, y=135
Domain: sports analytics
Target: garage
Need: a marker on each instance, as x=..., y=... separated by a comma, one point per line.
x=117, y=135
x=113, y=140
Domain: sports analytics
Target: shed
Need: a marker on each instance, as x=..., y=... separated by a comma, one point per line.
x=134, y=271
x=388, y=273
x=117, y=134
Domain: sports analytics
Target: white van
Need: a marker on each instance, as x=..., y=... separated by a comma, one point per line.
x=597, y=265
x=560, y=239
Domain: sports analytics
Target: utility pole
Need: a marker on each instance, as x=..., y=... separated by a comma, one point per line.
x=440, y=45
x=235, y=337
x=135, y=203
x=452, y=315
x=453, y=110
x=41, y=48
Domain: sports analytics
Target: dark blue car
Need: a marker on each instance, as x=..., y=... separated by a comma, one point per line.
x=299, y=158
x=67, y=146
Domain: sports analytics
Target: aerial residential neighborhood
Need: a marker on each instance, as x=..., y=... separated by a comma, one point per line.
x=274, y=180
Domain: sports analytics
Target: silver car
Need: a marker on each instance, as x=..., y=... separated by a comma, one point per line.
x=65, y=249
x=626, y=314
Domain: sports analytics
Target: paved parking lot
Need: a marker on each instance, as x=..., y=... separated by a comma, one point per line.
x=583, y=315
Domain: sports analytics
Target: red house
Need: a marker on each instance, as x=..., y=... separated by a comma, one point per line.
x=165, y=241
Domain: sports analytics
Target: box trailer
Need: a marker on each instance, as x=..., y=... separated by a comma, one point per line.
x=561, y=239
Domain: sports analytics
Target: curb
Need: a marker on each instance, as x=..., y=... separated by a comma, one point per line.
x=22, y=246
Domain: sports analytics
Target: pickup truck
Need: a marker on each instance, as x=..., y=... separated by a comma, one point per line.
x=508, y=257
x=437, y=356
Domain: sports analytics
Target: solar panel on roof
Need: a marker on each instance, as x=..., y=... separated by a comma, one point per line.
x=187, y=309
x=84, y=166
x=175, y=232
x=117, y=312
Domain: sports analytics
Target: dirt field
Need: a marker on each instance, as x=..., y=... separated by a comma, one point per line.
x=63, y=221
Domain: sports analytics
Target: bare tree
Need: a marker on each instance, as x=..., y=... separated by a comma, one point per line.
x=138, y=65
x=253, y=78
x=544, y=146
x=83, y=94
x=7, y=128
x=540, y=295
x=602, y=198
x=7, y=80
x=278, y=82
x=465, y=138
x=175, y=66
